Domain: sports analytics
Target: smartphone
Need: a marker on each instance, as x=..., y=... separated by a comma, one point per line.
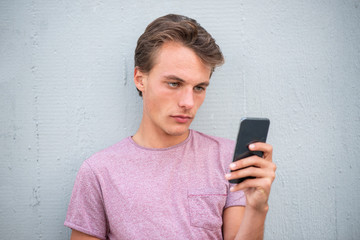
x=251, y=130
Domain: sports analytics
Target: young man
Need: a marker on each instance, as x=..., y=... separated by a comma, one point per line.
x=167, y=181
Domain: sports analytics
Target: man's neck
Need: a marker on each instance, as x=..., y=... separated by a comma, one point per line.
x=157, y=139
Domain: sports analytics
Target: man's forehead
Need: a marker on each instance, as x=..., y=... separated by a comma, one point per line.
x=174, y=60
x=172, y=47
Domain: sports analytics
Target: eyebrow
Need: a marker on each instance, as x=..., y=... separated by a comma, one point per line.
x=173, y=77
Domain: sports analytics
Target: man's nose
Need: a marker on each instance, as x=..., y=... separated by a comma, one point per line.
x=187, y=99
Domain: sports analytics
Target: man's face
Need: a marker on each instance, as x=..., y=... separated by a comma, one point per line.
x=173, y=90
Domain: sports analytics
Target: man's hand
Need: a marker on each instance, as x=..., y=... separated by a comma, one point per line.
x=257, y=190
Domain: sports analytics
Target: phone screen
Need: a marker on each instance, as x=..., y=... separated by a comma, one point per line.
x=251, y=130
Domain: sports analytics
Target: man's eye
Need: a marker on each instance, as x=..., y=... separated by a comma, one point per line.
x=173, y=84
x=199, y=89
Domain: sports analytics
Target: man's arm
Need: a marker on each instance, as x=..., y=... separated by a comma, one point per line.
x=232, y=218
x=76, y=235
x=248, y=222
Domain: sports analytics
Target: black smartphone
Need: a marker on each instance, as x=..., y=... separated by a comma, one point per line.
x=251, y=130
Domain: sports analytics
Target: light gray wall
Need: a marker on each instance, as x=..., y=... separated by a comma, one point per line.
x=66, y=92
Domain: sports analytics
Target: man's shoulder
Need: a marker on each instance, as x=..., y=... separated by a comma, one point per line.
x=220, y=148
x=210, y=140
x=105, y=155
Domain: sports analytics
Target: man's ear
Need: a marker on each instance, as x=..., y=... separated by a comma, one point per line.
x=139, y=79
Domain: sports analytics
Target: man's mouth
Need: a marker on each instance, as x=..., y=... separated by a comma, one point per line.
x=182, y=118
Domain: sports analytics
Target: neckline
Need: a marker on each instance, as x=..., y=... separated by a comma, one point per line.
x=162, y=149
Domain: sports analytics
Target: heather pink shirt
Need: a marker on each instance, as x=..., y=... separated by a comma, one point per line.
x=130, y=192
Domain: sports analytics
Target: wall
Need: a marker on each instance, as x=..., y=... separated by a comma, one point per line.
x=67, y=92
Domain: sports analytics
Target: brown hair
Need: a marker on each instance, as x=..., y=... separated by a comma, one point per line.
x=180, y=29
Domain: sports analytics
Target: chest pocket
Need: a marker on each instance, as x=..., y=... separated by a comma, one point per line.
x=206, y=208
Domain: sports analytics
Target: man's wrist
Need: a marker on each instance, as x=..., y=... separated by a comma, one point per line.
x=263, y=209
x=259, y=208
x=257, y=213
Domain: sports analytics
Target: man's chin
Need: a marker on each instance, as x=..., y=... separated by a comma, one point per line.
x=178, y=132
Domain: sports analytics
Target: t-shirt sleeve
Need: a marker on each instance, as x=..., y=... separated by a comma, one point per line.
x=237, y=198
x=86, y=211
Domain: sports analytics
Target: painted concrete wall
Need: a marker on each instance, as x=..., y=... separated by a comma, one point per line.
x=66, y=92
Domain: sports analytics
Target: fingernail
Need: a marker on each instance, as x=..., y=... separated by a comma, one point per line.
x=228, y=175
x=231, y=189
x=232, y=165
x=252, y=146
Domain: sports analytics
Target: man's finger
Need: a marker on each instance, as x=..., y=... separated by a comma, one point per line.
x=262, y=183
x=249, y=161
x=266, y=148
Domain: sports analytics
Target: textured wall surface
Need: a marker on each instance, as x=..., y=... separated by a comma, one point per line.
x=66, y=91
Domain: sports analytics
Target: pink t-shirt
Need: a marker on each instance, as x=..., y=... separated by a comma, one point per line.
x=130, y=192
